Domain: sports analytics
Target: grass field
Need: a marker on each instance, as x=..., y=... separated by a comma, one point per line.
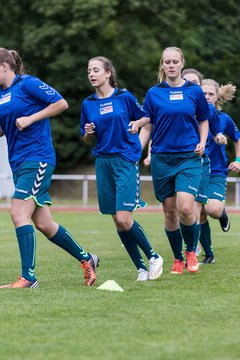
x=194, y=316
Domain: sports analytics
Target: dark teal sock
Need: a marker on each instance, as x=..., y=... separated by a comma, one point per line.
x=27, y=246
x=175, y=240
x=138, y=234
x=197, y=236
x=189, y=233
x=205, y=239
x=64, y=240
x=132, y=249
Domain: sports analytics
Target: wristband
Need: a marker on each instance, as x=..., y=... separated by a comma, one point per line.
x=237, y=159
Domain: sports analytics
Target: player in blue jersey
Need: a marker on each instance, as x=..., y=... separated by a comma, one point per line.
x=201, y=199
x=26, y=104
x=110, y=118
x=196, y=77
x=217, y=96
x=192, y=75
x=178, y=127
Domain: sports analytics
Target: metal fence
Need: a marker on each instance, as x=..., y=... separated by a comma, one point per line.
x=85, y=179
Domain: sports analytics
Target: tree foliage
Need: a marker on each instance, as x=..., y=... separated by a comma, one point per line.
x=57, y=37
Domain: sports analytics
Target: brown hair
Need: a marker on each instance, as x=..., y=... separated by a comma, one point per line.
x=108, y=66
x=161, y=73
x=12, y=58
x=225, y=93
x=193, y=71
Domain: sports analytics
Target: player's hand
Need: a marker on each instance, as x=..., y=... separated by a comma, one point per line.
x=133, y=127
x=220, y=139
x=234, y=166
x=89, y=128
x=146, y=161
x=23, y=122
x=199, y=149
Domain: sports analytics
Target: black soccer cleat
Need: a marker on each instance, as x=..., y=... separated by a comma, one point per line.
x=224, y=221
x=208, y=260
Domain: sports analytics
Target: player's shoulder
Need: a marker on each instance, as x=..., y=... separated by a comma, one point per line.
x=224, y=116
x=91, y=97
x=212, y=109
x=30, y=81
x=155, y=88
x=28, y=78
x=192, y=85
x=124, y=94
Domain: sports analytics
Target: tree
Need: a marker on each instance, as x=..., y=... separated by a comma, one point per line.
x=56, y=39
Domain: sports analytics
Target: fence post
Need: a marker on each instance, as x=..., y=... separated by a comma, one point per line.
x=237, y=193
x=85, y=191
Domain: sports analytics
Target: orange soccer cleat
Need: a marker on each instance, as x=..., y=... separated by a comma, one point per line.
x=20, y=284
x=192, y=261
x=178, y=266
x=89, y=268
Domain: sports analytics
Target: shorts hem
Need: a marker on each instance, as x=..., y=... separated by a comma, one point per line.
x=202, y=202
x=188, y=192
x=215, y=198
x=49, y=203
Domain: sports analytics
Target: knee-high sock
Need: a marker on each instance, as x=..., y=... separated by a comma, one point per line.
x=64, y=239
x=142, y=241
x=132, y=249
x=175, y=240
x=189, y=234
x=197, y=236
x=205, y=239
x=27, y=247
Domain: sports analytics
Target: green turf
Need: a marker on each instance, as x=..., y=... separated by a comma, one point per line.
x=194, y=316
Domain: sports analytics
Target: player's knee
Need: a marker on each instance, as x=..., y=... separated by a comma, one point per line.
x=185, y=211
x=123, y=223
x=41, y=226
x=171, y=215
x=17, y=216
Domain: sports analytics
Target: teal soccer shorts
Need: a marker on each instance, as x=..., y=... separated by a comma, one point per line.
x=202, y=196
x=32, y=181
x=118, y=184
x=217, y=187
x=173, y=172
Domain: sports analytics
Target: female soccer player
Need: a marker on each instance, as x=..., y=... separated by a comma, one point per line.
x=26, y=104
x=217, y=96
x=179, y=127
x=201, y=199
x=112, y=117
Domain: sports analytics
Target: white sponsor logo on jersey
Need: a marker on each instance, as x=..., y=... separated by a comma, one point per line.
x=106, y=109
x=176, y=95
x=5, y=98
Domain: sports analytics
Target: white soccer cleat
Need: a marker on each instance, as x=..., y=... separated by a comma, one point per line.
x=155, y=267
x=142, y=275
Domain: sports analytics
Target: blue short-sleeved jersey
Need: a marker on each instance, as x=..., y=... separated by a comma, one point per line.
x=26, y=96
x=175, y=113
x=214, y=126
x=214, y=121
x=111, y=117
x=217, y=153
